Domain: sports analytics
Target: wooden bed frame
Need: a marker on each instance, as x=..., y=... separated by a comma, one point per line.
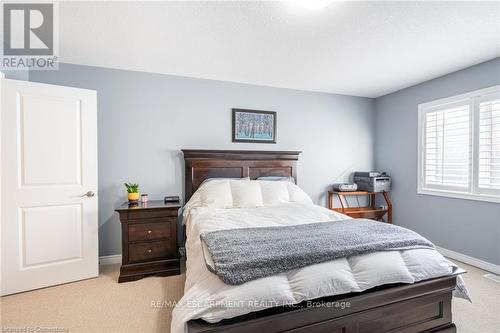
x=420, y=307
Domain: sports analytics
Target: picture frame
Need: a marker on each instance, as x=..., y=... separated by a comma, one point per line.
x=254, y=126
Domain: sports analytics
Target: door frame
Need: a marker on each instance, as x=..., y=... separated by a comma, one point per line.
x=2, y=76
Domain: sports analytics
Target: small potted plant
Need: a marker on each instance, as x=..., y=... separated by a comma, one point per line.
x=133, y=192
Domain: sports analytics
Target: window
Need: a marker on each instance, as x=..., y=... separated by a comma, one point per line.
x=459, y=146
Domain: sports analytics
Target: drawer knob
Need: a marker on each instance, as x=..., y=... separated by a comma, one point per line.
x=149, y=231
x=150, y=250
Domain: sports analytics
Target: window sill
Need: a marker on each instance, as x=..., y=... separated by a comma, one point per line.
x=459, y=195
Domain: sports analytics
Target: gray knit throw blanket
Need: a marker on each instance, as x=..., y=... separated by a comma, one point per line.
x=242, y=255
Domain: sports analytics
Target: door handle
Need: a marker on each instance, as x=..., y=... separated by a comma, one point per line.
x=89, y=194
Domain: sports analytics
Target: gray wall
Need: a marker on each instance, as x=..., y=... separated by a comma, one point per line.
x=17, y=75
x=145, y=119
x=466, y=226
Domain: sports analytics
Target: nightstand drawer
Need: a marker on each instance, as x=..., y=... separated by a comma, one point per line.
x=147, y=251
x=153, y=213
x=150, y=231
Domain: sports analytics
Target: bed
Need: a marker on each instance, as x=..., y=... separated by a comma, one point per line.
x=420, y=304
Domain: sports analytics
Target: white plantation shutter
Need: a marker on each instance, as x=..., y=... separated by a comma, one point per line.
x=488, y=179
x=459, y=146
x=448, y=147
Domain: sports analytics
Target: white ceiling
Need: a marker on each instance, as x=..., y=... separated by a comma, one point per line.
x=355, y=48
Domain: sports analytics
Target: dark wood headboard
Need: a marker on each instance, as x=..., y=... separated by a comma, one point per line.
x=204, y=164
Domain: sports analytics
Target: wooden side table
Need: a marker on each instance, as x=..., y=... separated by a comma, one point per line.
x=149, y=240
x=369, y=212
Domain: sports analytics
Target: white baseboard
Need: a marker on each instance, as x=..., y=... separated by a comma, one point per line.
x=117, y=258
x=487, y=266
x=109, y=260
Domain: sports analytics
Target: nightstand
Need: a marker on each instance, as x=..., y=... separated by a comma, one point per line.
x=149, y=240
x=368, y=212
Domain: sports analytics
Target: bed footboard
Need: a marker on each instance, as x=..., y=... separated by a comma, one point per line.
x=421, y=307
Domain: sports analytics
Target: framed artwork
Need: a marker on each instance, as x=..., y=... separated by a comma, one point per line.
x=254, y=126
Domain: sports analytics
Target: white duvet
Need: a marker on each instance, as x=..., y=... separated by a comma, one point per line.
x=207, y=297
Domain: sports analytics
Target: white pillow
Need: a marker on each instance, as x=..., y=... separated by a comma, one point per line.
x=246, y=193
x=297, y=194
x=277, y=178
x=274, y=192
x=216, y=194
x=221, y=179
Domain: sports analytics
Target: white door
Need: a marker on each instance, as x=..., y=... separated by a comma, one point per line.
x=48, y=185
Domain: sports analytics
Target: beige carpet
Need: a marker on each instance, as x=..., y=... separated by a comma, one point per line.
x=483, y=315
x=103, y=305
x=97, y=305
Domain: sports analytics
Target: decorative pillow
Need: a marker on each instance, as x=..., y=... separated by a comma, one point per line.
x=274, y=192
x=246, y=193
x=216, y=194
x=297, y=194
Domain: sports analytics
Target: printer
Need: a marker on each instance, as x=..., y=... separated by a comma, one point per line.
x=372, y=181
